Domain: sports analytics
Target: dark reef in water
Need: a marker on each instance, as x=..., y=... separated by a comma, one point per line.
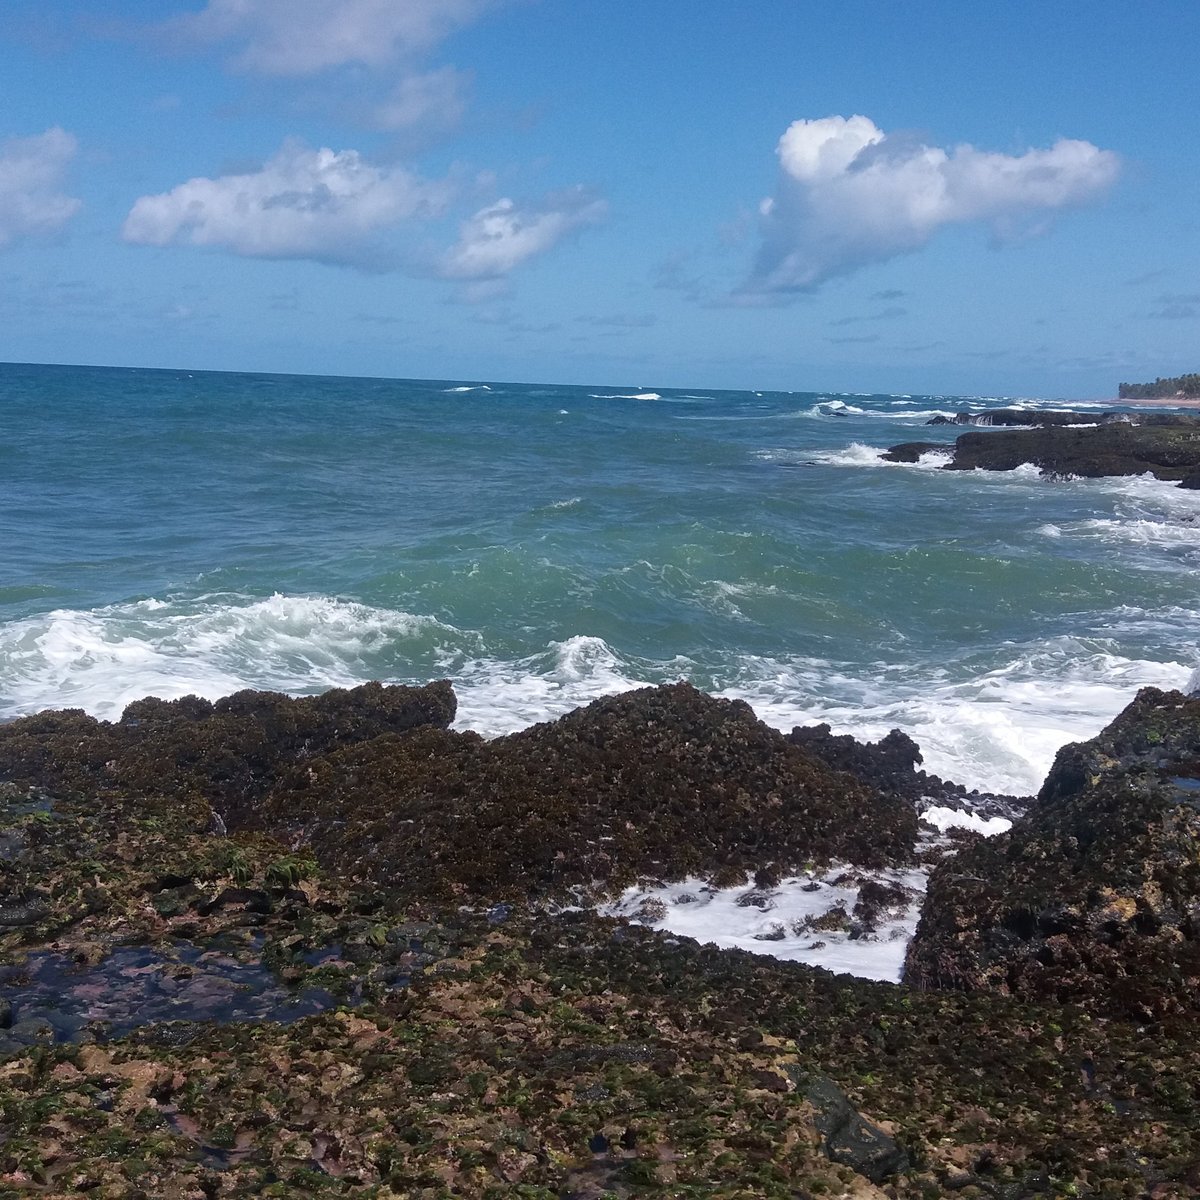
x=1025, y=417
x=350, y=992
x=1167, y=447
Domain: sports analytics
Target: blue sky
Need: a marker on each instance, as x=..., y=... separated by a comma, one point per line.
x=931, y=197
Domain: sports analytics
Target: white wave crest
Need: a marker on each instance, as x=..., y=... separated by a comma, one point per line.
x=479, y=387
x=995, y=727
x=101, y=659
x=996, y=730
x=627, y=396
x=497, y=696
x=859, y=455
x=855, y=455
x=834, y=408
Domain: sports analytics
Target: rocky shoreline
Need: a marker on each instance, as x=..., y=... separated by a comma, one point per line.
x=328, y=946
x=1088, y=446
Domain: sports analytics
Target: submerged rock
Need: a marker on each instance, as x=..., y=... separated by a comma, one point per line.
x=1165, y=446
x=1094, y=896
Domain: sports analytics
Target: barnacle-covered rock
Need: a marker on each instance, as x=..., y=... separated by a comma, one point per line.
x=663, y=782
x=225, y=754
x=891, y=764
x=1094, y=896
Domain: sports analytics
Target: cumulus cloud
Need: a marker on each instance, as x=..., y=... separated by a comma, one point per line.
x=502, y=236
x=303, y=37
x=326, y=205
x=32, y=172
x=850, y=194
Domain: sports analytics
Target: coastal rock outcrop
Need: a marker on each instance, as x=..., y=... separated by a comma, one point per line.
x=660, y=783
x=1024, y=417
x=190, y=1015
x=1094, y=896
x=224, y=754
x=891, y=764
x=663, y=782
x=1167, y=447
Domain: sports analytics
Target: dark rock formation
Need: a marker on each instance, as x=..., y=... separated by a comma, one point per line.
x=910, y=452
x=1167, y=447
x=200, y=1016
x=664, y=782
x=225, y=754
x=1094, y=896
x=890, y=765
x=1025, y=417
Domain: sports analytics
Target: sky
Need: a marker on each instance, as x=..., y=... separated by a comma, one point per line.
x=926, y=197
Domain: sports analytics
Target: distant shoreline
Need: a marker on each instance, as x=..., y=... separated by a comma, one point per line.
x=1164, y=402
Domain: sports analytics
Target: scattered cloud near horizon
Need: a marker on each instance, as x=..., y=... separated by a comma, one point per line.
x=32, y=173
x=326, y=205
x=304, y=37
x=501, y=236
x=336, y=207
x=850, y=194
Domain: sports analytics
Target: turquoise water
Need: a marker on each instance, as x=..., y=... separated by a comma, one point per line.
x=171, y=532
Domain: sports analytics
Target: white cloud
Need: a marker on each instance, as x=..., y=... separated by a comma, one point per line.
x=303, y=37
x=429, y=101
x=326, y=205
x=32, y=170
x=850, y=194
x=502, y=236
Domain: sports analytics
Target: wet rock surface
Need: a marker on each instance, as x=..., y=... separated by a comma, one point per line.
x=1165, y=446
x=891, y=765
x=222, y=756
x=1094, y=896
x=1025, y=417
x=664, y=782
x=485, y=1048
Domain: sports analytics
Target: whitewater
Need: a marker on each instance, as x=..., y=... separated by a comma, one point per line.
x=171, y=533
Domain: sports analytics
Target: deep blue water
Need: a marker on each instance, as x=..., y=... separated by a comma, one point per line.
x=169, y=532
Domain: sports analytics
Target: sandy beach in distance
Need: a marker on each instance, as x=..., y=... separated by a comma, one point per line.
x=1173, y=402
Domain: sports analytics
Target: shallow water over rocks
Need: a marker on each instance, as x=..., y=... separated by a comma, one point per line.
x=55, y=998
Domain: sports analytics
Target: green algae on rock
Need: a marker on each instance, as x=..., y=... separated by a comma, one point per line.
x=224, y=755
x=1094, y=896
x=659, y=783
x=510, y=1053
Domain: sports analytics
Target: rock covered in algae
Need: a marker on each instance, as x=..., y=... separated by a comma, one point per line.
x=522, y=1055
x=891, y=764
x=1094, y=896
x=663, y=782
x=1024, y=417
x=224, y=754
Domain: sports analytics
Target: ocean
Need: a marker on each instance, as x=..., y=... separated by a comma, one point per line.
x=175, y=532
